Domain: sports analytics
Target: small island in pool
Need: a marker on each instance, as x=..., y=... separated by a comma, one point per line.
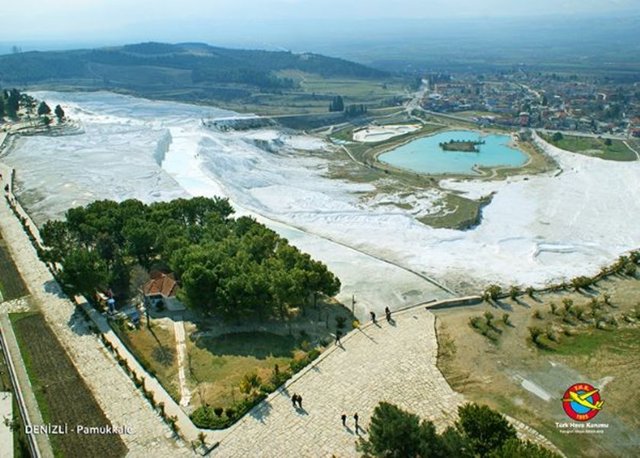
x=466, y=146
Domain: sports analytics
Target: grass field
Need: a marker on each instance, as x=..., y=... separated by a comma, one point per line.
x=155, y=350
x=510, y=373
x=62, y=395
x=595, y=147
x=11, y=284
x=218, y=364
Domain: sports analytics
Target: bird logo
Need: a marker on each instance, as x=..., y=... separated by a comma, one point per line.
x=582, y=402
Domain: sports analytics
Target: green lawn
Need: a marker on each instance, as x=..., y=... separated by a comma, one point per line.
x=219, y=363
x=596, y=147
x=155, y=350
x=588, y=343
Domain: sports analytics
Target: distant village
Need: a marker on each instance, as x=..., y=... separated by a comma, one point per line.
x=543, y=101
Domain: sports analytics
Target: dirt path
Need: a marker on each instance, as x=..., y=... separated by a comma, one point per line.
x=181, y=351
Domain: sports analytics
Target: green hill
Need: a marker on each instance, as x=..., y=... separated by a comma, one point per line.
x=186, y=71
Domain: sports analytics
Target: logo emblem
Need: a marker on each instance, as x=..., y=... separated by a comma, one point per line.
x=582, y=402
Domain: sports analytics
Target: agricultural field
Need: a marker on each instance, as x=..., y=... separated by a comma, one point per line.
x=612, y=150
x=62, y=395
x=520, y=355
x=11, y=284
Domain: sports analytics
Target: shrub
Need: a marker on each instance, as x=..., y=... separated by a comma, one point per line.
x=506, y=319
x=298, y=364
x=492, y=335
x=249, y=383
x=477, y=322
x=218, y=411
x=553, y=335
x=230, y=413
x=305, y=345
x=341, y=321
x=529, y=291
x=488, y=316
x=630, y=269
x=537, y=314
x=492, y=292
x=313, y=354
x=581, y=282
x=568, y=303
x=554, y=308
x=514, y=291
x=355, y=324
x=535, y=332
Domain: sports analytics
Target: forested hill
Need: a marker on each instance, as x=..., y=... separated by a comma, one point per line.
x=144, y=66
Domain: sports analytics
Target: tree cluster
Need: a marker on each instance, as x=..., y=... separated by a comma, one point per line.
x=233, y=268
x=337, y=104
x=479, y=432
x=355, y=110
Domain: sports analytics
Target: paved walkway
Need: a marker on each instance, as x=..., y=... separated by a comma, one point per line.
x=116, y=394
x=386, y=363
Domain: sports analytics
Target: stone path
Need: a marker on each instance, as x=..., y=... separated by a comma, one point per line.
x=116, y=394
x=386, y=363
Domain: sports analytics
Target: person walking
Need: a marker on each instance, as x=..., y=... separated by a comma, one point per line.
x=294, y=399
x=344, y=419
x=300, y=401
x=373, y=316
x=355, y=417
x=387, y=313
x=338, y=335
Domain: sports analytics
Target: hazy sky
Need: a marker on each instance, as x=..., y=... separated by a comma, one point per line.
x=207, y=20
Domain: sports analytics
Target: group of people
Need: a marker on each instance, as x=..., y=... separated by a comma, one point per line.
x=355, y=418
x=296, y=399
x=387, y=313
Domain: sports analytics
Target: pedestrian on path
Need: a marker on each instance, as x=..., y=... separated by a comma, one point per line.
x=294, y=399
x=387, y=312
x=300, y=401
x=373, y=316
x=355, y=417
x=344, y=419
x=338, y=335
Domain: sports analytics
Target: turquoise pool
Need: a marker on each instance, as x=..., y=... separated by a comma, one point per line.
x=424, y=155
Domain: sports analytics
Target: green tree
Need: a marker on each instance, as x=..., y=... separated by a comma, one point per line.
x=485, y=429
x=59, y=112
x=83, y=272
x=12, y=103
x=43, y=109
x=557, y=137
x=337, y=104
x=517, y=448
x=394, y=432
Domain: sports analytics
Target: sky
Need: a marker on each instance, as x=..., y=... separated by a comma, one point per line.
x=239, y=21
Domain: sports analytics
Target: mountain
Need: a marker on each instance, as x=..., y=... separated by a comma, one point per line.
x=202, y=70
